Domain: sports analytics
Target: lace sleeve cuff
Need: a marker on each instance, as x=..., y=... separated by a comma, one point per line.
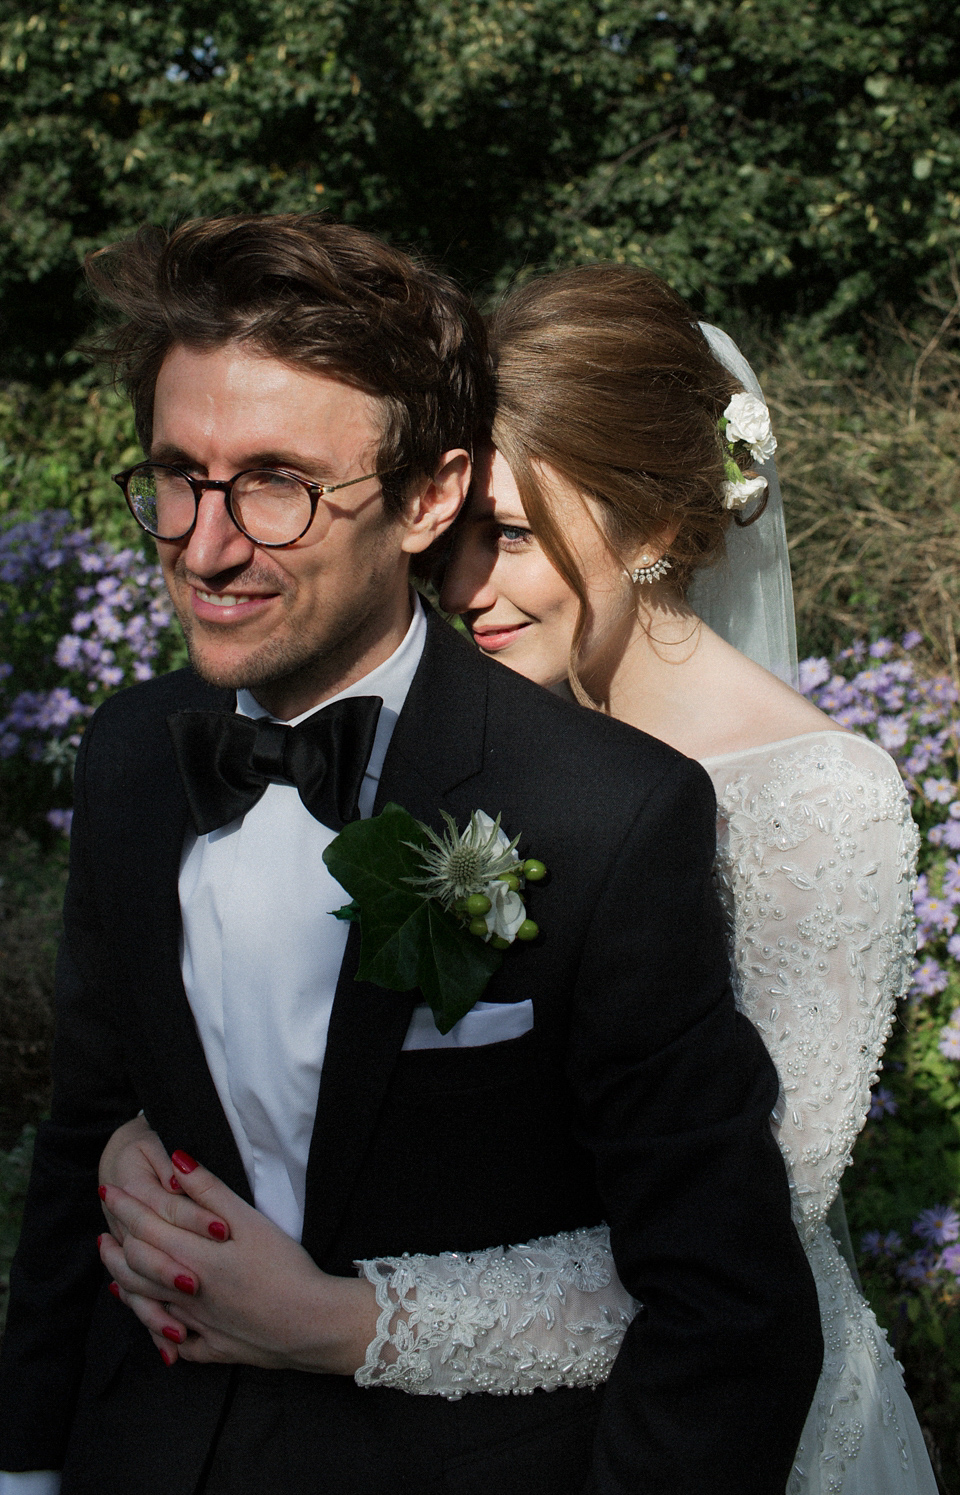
x=507, y=1320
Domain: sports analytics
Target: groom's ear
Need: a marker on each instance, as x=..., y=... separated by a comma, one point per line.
x=432, y=511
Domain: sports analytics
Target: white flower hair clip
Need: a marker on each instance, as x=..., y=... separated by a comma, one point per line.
x=746, y=422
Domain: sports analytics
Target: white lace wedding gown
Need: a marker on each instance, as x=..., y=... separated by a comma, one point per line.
x=815, y=865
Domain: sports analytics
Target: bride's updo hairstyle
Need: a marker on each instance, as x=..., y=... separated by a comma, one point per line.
x=604, y=376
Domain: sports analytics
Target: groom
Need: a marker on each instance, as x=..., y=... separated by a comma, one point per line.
x=202, y=980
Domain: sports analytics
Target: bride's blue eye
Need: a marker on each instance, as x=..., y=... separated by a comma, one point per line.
x=512, y=536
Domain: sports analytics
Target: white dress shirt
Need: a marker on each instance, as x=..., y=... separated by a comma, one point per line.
x=261, y=954
x=260, y=959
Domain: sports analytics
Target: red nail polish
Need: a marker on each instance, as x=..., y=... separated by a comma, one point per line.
x=218, y=1230
x=102, y=1191
x=113, y=1287
x=99, y=1239
x=174, y=1184
x=166, y=1357
x=183, y=1162
x=170, y=1333
x=185, y=1284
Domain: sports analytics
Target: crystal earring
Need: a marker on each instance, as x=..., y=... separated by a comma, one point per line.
x=650, y=570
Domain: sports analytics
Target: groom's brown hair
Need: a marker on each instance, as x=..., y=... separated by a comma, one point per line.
x=315, y=294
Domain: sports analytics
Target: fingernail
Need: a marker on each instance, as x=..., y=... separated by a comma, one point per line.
x=166, y=1357
x=102, y=1191
x=183, y=1162
x=114, y=1288
x=170, y=1333
x=99, y=1239
x=217, y=1230
x=174, y=1184
x=185, y=1284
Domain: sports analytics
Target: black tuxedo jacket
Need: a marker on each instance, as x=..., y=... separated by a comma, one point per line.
x=640, y=1097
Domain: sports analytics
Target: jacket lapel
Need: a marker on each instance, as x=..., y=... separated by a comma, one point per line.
x=437, y=744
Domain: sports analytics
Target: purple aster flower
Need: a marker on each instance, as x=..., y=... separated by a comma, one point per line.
x=947, y=834
x=928, y=978
x=61, y=820
x=870, y=1243
x=950, y=1260
x=939, y=791
x=951, y=879
x=813, y=672
x=892, y=732
x=934, y=914
x=917, y=1268
x=882, y=1103
x=953, y=946
x=68, y=651
x=911, y=639
x=881, y=648
x=937, y=1225
x=949, y=1041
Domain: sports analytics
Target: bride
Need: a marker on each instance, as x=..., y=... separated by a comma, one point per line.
x=624, y=535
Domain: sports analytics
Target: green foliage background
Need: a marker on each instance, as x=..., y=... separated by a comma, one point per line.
x=791, y=166
x=789, y=156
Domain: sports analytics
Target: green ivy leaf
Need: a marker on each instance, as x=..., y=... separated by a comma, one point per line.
x=407, y=940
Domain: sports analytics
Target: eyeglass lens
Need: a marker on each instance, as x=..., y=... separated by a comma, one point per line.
x=269, y=506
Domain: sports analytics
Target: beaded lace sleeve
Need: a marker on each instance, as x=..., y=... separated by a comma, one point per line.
x=511, y=1319
x=816, y=866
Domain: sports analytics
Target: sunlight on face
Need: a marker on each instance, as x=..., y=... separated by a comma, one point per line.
x=516, y=604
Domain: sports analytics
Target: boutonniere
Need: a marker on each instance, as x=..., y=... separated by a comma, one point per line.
x=434, y=911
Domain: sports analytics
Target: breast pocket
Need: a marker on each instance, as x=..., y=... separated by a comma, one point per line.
x=485, y=1023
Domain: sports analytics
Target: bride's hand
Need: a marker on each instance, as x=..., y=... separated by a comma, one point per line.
x=136, y=1161
x=255, y=1299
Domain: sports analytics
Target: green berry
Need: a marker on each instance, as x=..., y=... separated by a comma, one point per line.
x=533, y=870
x=513, y=883
x=478, y=927
x=499, y=943
x=478, y=904
x=528, y=930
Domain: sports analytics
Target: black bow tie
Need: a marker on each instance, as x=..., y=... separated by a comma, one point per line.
x=226, y=761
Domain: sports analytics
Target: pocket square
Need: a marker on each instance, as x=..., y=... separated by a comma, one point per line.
x=485, y=1023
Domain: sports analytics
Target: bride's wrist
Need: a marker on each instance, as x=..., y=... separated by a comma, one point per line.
x=343, y=1320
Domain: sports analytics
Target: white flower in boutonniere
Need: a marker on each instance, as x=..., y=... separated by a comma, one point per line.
x=479, y=874
x=748, y=420
x=435, y=911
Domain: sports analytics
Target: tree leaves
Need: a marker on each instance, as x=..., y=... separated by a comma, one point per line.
x=771, y=156
x=407, y=941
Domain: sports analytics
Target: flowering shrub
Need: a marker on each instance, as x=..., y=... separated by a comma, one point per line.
x=78, y=619
x=903, y=1189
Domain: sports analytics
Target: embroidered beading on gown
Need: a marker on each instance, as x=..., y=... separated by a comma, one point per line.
x=815, y=866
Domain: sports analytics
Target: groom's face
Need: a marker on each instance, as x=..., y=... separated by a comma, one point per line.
x=296, y=624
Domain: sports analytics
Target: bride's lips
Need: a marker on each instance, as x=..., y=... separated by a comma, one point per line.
x=492, y=638
x=228, y=607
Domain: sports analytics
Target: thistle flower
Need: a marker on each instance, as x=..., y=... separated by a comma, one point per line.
x=458, y=865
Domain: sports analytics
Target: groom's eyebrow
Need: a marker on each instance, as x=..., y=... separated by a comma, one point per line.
x=175, y=456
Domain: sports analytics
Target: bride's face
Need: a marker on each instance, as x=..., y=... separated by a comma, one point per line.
x=516, y=604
